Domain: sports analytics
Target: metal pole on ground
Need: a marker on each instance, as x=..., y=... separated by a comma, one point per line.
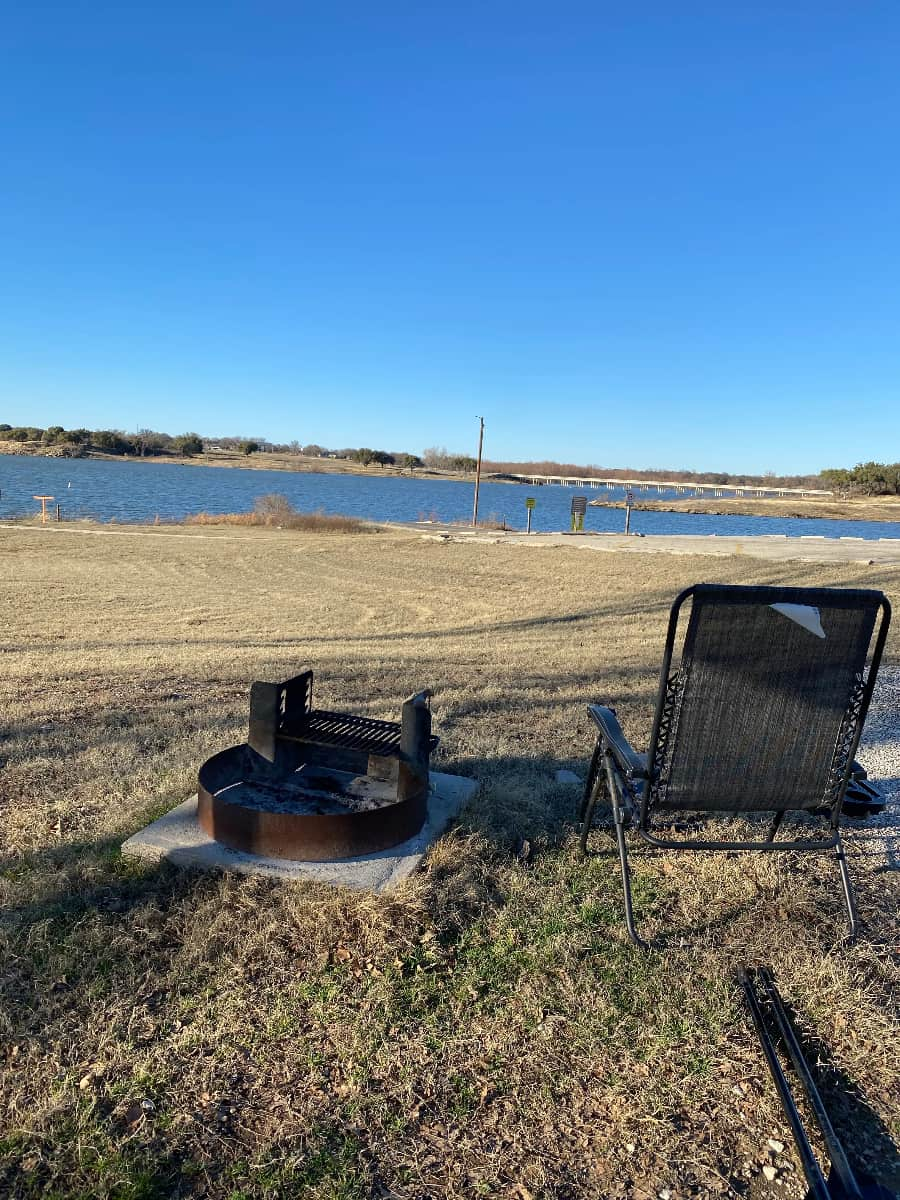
x=529, y=509
x=629, y=501
x=478, y=471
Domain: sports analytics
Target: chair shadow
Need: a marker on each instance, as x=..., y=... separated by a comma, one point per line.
x=678, y=936
x=866, y=1139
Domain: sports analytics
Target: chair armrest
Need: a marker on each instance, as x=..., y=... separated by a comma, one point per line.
x=629, y=760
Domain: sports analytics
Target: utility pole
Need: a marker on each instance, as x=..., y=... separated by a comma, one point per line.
x=478, y=472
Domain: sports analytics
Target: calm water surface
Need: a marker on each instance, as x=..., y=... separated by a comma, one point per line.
x=140, y=491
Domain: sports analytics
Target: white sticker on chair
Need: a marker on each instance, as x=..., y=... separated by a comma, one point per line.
x=804, y=615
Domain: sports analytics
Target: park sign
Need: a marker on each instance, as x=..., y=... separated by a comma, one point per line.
x=579, y=508
x=530, y=502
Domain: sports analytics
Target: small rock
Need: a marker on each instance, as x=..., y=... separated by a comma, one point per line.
x=775, y=1145
x=630, y=1147
x=148, y=1106
x=564, y=776
x=665, y=1194
x=770, y=1172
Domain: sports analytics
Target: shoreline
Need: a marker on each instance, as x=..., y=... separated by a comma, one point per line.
x=878, y=509
x=871, y=508
x=291, y=464
x=772, y=547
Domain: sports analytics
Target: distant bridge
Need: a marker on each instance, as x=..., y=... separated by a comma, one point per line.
x=668, y=485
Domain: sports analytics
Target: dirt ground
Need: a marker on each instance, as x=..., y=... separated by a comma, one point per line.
x=486, y=1030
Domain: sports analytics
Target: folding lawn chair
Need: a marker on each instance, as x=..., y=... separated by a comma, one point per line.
x=763, y=713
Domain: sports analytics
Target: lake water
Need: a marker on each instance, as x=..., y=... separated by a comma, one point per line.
x=133, y=490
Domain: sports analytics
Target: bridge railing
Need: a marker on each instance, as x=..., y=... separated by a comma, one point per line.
x=668, y=485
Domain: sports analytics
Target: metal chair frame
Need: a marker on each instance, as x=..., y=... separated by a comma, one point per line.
x=630, y=777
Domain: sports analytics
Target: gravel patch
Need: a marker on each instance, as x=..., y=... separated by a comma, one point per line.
x=879, y=749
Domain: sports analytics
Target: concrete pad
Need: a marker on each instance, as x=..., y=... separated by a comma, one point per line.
x=177, y=838
x=566, y=776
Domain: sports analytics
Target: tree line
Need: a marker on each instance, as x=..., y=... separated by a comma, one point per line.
x=869, y=478
x=149, y=443
x=74, y=443
x=865, y=479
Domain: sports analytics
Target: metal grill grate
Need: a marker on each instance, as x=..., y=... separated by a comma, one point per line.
x=346, y=732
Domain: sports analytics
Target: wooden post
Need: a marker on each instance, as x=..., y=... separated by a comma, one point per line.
x=57, y=514
x=478, y=472
x=43, y=500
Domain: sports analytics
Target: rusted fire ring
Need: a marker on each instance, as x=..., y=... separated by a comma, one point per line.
x=301, y=837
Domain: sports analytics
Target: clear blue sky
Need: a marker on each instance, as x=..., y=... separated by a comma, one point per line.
x=651, y=234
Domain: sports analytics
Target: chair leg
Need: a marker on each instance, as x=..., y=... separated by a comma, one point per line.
x=619, y=819
x=589, y=786
x=848, y=888
x=775, y=826
x=588, y=816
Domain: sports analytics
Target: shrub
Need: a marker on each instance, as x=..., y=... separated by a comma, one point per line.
x=276, y=511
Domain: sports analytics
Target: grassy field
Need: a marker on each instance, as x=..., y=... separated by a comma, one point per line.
x=484, y=1031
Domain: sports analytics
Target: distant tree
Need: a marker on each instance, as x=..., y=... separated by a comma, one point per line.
x=147, y=442
x=314, y=451
x=53, y=434
x=248, y=447
x=188, y=444
x=112, y=441
x=408, y=461
x=383, y=458
x=5, y=428
x=837, y=478
x=363, y=455
x=463, y=462
x=435, y=456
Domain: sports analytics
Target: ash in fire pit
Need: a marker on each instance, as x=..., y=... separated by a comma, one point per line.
x=312, y=785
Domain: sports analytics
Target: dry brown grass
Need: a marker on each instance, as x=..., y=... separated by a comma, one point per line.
x=276, y=512
x=486, y=1030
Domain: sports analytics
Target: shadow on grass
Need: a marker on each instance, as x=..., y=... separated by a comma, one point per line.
x=863, y=1134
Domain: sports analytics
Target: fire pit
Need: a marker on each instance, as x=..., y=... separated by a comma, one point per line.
x=312, y=785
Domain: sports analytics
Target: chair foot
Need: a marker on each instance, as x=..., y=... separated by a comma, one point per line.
x=849, y=899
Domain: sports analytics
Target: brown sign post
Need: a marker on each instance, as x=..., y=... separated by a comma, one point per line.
x=43, y=500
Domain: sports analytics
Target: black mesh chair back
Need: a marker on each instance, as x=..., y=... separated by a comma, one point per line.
x=762, y=713
x=764, y=710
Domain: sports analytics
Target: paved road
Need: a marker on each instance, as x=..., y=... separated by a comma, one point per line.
x=802, y=549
